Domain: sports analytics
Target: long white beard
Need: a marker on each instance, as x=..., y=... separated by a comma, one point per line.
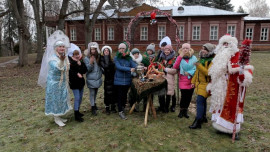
x=218, y=85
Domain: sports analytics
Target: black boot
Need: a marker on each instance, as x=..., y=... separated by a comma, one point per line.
x=113, y=110
x=80, y=114
x=77, y=117
x=172, y=109
x=180, y=115
x=185, y=113
x=196, y=124
x=96, y=107
x=107, y=110
x=204, y=119
x=167, y=103
x=94, y=111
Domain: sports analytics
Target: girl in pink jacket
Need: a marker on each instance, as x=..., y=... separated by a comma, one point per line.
x=185, y=63
x=167, y=59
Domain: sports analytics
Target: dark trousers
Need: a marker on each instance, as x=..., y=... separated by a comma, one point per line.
x=186, y=95
x=121, y=95
x=201, y=107
x=168, y=100
x=109, y=98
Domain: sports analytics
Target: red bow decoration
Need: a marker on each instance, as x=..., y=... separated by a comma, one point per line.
x=153, y=18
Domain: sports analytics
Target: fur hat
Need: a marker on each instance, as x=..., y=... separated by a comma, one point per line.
x=122, y=45
x=168, y=47
x=151, y=47
x=106, y=47
x=93, y=45
x=210, y=47
x=229, y=39
x=135, y=50
x=58, y=43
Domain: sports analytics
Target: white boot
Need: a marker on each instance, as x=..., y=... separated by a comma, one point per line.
x=58, y=121
x=63, y=120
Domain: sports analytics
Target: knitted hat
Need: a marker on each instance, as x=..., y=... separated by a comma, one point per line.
x=168, y=47
x=151, y=47
x=106, y=47
x=122, y=45
x=210, y=47
x=135, y=50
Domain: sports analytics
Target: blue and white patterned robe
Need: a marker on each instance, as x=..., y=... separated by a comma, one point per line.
x=57, y=96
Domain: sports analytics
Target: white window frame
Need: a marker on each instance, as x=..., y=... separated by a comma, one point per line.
x=97, y=34
x=230, y=31
x=125, y=31
x=110, y=33
x=181, y=32
x=249, y=34
x=197, y=34
x=73, y=33
x=161, y=34
x=144, y=34
x=212, y=35
x=264, y=35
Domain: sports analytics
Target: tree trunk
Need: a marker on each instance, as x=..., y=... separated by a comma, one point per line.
x=94, y=18
x=86, y=7
x=39, y=26
x=24, y=34
x=62, y=15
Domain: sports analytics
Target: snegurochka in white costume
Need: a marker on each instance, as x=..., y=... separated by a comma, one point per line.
x=54, y=77
x=229, y=78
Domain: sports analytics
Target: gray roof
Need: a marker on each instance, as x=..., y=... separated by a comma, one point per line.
x=248, y=18
x=188, y=11
x=198, y=10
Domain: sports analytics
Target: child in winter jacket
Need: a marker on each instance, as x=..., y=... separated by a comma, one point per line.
x=76, y=79
x=122, y=77
x=199, y=81
x=107, y=64
x=185, y=63
x=167, y=59
x=94, y=73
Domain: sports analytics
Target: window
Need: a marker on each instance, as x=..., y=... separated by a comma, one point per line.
x=264, y=34
x=181, y=33
x=231, y=30
x=161, y=32
x=110, y=33
x=196, y=33
x=214, y=32
x=125, y=33
x=144, y=33
x=98, y=34
x=249, y=33
x=73, y=35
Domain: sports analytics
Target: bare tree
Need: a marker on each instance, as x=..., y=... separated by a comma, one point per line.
x=39, y=13
x=258, y=8
x=94, y=18
x=86, y=8
x=62, y=15
x=24, y=34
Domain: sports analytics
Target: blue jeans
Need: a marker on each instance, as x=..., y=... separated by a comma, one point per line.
x=78, y=94
x=93, y=95
x=201, y=107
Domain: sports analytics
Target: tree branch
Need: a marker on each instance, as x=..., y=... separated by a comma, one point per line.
x=73, y=12
x=4, y=13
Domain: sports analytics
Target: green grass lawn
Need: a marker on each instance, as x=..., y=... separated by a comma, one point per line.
x=24, y=126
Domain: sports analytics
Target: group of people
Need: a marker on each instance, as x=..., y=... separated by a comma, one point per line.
x=208, y=75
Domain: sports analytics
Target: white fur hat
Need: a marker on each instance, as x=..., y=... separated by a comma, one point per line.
x=93, y=45
x=229, y=39
x=106, y=47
